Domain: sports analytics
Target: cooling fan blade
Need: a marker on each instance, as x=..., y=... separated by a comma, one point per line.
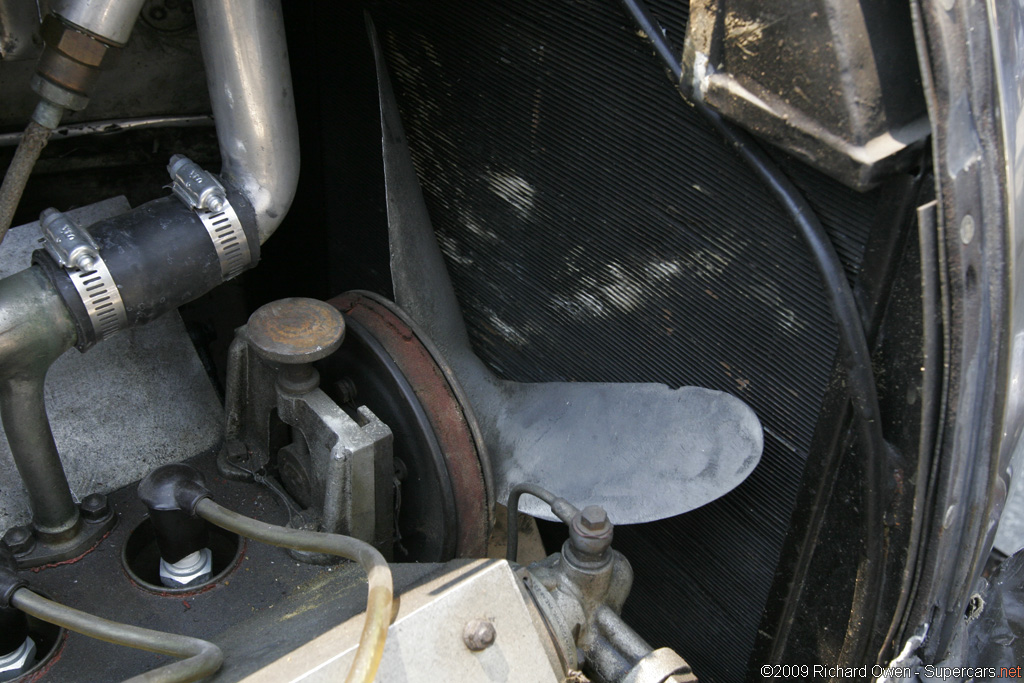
x=642, y=451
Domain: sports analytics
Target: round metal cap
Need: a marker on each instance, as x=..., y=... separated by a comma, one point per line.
x=296, y=330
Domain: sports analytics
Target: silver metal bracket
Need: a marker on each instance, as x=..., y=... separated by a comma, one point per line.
x=203, y=193
x=338, y=467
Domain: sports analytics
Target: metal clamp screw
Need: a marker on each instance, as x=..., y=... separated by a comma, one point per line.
x=196, y=187
x=69, y=245
x=203, y=193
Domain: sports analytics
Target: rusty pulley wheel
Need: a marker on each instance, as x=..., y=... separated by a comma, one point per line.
x=444, y=510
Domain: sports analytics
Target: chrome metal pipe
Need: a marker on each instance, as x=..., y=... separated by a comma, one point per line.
x=250, y=83
x=35, y=329
x=109, y=19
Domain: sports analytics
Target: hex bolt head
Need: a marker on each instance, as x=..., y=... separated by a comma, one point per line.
x=479, y=634
x=94, y=507
x=593, y=518
x=19, y=539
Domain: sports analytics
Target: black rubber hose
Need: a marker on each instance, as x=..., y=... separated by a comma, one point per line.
x=561, y=508
x=378, y=603
x=202, y=657
x=856, y=356
x=25, y=157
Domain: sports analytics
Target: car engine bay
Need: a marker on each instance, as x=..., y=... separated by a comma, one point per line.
x=430, y=341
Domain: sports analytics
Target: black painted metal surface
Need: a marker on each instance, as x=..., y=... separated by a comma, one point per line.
x=597, y=230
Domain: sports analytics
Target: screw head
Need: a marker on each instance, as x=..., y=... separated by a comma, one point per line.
x=215, y=202
x=94, y=507
x=479, y=634
x=593, y=518
x=19, y=539
x=84, y=262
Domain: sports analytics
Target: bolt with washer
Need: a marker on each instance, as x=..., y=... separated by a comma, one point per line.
x=479, y=634
x=14, y=664
x=190, y=570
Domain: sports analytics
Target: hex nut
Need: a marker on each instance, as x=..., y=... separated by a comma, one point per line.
x=19, y=539
x=188, y=571
x=94, y=507
x=74, y=43
x=19, y=661
x=478, y=635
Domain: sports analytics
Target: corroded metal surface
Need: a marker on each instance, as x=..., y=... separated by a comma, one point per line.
x=296, y=330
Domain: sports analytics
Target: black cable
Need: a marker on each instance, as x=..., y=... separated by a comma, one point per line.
x=856, y=356
x=561, y=508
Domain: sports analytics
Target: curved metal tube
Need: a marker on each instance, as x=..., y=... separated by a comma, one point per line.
x=378, y=602
x=109, y=19
x=560, y=507
x=35, y=329
x=203, y=658
x=250, y=83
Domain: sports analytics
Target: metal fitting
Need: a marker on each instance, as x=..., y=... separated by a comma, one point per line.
x=19, y=540
x=74, y=249
x=478, y=635
x=590, y=534
x=594, y=518
x=203, y=193
x=190, y=570
x=18, y=662
x=663, y=665
x=195, y=186
x=70, y=63
x=94, y=507
x=109, y=20
x=69, y=245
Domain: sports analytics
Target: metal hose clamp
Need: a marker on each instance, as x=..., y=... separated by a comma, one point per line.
x=76, y=251
x=203, y=193
x=228, y=239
